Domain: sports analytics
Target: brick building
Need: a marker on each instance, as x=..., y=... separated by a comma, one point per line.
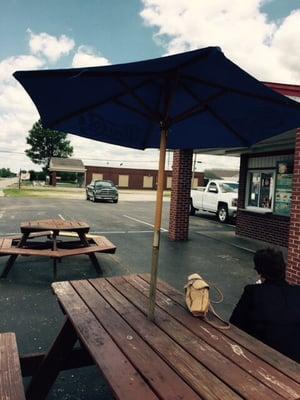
x=131, y=178
x=269, y=191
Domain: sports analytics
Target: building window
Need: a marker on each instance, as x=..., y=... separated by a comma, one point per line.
x=123, y=180
x=261, y=187
x=97, y=177
x=169, y=182
x=147, y=182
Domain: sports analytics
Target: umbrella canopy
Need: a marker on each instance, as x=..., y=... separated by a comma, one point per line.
x=193, y=100
x=207, y=100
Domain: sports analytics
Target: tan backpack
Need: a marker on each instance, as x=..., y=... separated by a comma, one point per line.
x=197, y=295
x=198, y=302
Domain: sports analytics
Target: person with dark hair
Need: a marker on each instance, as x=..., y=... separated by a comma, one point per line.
x=270, y=311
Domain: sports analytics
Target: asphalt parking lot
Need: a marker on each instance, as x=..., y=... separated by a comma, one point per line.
x=29, y=308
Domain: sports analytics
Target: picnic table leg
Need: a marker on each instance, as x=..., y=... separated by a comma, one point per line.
x=10, y=262
x=52, y=363
x=92, y=256
x=54, y=235
x=54, y=268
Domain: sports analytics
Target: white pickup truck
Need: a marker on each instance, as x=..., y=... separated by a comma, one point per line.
x=219, y=197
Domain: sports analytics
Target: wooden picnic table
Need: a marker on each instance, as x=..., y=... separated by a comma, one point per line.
x=176, y=357
x=54, y=247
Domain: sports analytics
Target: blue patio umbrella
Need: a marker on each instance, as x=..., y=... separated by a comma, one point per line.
x=194, y=100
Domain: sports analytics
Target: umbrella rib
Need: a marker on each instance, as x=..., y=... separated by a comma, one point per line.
x=189, y=113
x=151, y=127
x=169, y=95
x=136, y=110
x=208, y=108
x=91, y=106
x=228, y=126
x=205, y=107
x=242, y=92
x=197, y=109
x=155, y=116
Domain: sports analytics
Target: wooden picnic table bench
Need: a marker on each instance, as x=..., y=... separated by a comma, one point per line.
x=27, y=245
x=177, y=356
x=11, y=385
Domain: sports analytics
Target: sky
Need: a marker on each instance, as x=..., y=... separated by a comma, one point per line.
x=262, y=36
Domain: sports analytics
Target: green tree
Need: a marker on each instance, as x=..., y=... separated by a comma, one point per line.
x=46, y=143
x=6, y=173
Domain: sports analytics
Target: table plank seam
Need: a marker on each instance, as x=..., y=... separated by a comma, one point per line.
x=267, y=378
x=232, y=335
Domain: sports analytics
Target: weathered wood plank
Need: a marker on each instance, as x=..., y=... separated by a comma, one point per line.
x=160, y=376
x=278, y=361
x=11, y=385
x=239, y=379
x=251, y=362
x=6, y=243
x=30, y=252
x=124, y=380
x=206, y=384
x=59, y=253
x=53, y=224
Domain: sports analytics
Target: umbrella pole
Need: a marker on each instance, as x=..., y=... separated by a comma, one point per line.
x=157, y=225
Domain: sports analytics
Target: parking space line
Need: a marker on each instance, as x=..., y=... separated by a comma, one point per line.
x=144, y=222
x=61, y=217
x=117, y=232
x=140, y=231
x=228, y=243
x=103, y=232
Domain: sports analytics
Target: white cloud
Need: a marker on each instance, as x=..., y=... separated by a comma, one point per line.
x=86, y=56
x=50, y=46
x=268, y=50
x=17, y=112
x=22, y=62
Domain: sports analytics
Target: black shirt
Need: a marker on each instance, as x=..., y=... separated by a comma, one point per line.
x=271, y=313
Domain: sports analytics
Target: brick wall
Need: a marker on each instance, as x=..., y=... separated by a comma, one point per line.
x=293, y=270
x=273, y=229
x=136, y=176
x=180, y=198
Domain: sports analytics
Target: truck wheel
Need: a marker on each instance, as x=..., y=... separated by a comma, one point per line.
x=222, y=213
x=192, y=208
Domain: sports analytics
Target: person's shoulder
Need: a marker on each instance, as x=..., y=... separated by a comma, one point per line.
x=248, y=289
x=296, y=288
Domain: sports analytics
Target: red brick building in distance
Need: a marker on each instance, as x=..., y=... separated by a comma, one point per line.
x=130, y=178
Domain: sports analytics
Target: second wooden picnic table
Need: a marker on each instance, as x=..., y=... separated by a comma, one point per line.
x=52, y=247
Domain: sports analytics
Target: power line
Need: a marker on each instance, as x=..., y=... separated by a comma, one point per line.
x=12, y=152
x=89, y=159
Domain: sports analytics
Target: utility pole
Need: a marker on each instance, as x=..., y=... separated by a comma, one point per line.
x=193, y=170
x=20, y=179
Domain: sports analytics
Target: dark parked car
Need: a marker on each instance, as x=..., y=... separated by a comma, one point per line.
x=102, y=190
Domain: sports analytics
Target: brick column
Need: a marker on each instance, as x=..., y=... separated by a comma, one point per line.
x=293, y=267
x=181, y=193
x=53, y=178
x=242, y=192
